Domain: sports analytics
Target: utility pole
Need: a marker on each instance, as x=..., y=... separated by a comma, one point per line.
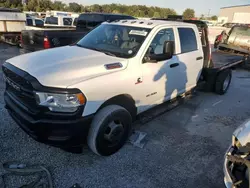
x=208, y=13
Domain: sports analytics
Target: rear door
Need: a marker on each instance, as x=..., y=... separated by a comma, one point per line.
x=190, y=55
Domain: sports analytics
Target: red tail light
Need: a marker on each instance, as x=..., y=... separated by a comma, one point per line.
x=46, y=43
x=220, y=37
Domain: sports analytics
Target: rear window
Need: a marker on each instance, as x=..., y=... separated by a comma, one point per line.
x=39, y=23
x=51, y=20
x=75, y=21
x=90, y=20
x=67, y=21
x=29, y=22
x=187, y=39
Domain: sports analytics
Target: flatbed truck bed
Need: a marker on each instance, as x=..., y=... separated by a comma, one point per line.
x=222, y=60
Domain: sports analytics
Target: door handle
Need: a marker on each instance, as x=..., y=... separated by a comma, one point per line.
x=174, y=65
x=199, y=58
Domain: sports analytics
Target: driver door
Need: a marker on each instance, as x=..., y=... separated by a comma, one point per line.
x=154, y=74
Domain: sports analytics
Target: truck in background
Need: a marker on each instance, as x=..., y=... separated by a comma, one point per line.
x=44, y=38
x=12, y=22
x=235, y=41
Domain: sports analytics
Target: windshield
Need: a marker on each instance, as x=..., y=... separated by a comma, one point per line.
x=116, y=40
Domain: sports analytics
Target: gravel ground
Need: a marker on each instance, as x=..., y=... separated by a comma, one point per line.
x=184, y=147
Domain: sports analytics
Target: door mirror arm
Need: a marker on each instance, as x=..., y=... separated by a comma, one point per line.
x=148, y=59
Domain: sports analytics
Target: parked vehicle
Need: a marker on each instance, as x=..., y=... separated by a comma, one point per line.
x=209, y=23
x=237, y=40
x=229, y=25
x=94, y=90
x=33, y=21
x=237, y=159
x=12, y=22
x=34, y=40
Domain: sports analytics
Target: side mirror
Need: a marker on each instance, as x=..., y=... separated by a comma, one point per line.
x=168, y=52
x=168, y=49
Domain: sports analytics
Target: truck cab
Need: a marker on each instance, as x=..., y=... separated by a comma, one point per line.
x=92, y=91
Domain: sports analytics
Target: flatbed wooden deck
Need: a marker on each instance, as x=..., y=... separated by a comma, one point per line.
x=222, y=60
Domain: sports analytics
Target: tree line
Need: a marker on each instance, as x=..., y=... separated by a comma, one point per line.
x=133, y=10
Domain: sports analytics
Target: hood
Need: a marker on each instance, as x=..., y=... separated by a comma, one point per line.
x=65, y=66
x=242, y=133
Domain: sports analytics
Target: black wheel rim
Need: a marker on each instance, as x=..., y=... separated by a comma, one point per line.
x=113, y=133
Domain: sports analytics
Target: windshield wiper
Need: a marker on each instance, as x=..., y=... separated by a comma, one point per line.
x=96, y=49
x=109, y=53
x=105, y=52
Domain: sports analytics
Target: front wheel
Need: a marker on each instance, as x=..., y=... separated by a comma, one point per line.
x=109, y=130
x=223, y=81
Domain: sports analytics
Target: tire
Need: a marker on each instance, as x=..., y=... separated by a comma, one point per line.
x=110, y=122
x=223, y=81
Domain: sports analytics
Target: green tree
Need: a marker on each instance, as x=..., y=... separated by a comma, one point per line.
x=214, y=17
x=157, y=15
x=38, y=9
x=7, y=4
x=96, y=8
x=188, y=14
x=25, y=8
x=32, y=5
x=202, y=17
x=45, y=5
x=74, y=7
x=58, y=5
x=133, y=10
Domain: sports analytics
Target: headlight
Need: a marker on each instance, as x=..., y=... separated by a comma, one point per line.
x=60, y=102
x=236, y=142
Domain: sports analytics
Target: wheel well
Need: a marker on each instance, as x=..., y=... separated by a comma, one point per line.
x=126, y=101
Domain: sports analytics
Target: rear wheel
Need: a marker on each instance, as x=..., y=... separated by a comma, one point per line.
x=223, y=81
x=109, y=130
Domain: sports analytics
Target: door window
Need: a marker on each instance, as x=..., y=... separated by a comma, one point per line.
x=157, y=45
x=75, y=22
x=187, y=39
x=51, y=20
x=67, y=21
x=29, y=22
x=39, y=23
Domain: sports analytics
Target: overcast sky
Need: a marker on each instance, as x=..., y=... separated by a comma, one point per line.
x=200, y=6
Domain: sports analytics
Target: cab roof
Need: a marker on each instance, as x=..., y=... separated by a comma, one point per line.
x=148, y=23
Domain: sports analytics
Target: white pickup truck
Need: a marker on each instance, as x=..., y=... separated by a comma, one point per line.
x=96, y=88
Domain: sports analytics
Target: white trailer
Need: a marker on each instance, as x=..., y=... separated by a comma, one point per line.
x=241, y=17
x=12, y=22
